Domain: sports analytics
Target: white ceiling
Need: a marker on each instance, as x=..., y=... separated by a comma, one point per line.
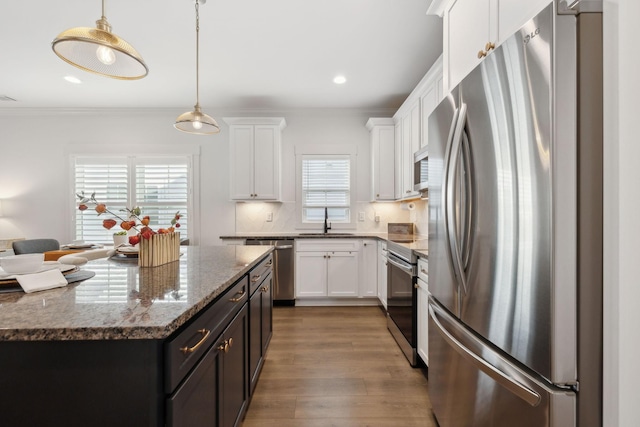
x=254, y=54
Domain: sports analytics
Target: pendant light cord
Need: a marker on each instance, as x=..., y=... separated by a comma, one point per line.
x=198, y=52
x=103, y=16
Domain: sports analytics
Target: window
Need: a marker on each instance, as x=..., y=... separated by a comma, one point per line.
x=326, y=182
x=158, y=185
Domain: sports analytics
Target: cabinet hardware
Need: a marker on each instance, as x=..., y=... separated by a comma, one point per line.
x=264, y=289
x=205, y=334
x=489, y=46
x=254, y=279
x=239, y=297
x=224, y=347
x=269, y=264
x=424, y=271
x=481, y=54
x=230, y=343
x=408, y=191
x=416, y=286
x=377, y=195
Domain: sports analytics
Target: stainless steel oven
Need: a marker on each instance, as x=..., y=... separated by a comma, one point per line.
x=402, y=298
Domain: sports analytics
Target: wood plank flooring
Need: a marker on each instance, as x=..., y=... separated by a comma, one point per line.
x=337, y=366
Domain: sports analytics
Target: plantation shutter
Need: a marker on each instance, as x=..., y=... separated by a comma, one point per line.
x=159, y=186
x=326, y=183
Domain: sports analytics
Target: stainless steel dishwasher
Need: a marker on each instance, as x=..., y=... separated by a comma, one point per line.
x=283, y=256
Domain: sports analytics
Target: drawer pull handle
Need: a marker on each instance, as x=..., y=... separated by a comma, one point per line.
x=264, y=289
x=205, y=334
x=239, y=297
x=424, y=271
x=269, y=264
x=254, y=279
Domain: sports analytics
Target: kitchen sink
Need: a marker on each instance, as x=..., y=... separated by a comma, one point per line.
x=326, y=234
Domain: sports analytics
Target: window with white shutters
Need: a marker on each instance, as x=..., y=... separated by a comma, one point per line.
x=326, y=183
x=158, y=185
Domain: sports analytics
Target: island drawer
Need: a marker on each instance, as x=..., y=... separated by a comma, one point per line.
x=260, y=272
x=189, y=344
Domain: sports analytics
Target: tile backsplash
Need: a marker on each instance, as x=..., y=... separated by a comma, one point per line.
x=252, y=217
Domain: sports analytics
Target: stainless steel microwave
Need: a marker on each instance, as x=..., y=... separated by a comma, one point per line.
x=421, y=169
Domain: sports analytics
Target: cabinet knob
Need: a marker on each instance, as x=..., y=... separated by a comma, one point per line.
x=377, y=195
x=408, y=191
x=481, y=54
x=230, y=343
x=264, y=289
x=489, y=46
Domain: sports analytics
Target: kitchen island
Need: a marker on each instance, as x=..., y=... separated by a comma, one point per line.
x=137, y=346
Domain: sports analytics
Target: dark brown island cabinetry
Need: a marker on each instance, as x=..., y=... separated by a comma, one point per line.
x=201, y=374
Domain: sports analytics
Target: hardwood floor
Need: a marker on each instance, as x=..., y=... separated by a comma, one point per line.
x=337, y=366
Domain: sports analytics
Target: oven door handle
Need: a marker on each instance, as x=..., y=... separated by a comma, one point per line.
x=405, y=268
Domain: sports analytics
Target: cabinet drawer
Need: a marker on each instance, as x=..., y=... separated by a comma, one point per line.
x=260, y=272
x=327, y=245
x=423, y=269
x=188, y=345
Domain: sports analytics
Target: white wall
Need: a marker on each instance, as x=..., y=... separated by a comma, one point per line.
x=622, y=204
x=34, y=183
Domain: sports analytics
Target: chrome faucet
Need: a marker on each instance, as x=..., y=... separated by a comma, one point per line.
x=326, y=217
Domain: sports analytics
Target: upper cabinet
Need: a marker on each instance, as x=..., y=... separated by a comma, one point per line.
x=382, y=158
x=255, y=157
x=474, y=28
x=411, y=134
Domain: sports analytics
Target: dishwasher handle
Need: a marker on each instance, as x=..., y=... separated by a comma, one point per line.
x=277, y=248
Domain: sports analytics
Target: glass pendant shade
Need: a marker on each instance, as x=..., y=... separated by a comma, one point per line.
x=99, y=51
x=197, y=122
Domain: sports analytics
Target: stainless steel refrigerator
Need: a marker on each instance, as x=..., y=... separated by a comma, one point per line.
x=515, y=231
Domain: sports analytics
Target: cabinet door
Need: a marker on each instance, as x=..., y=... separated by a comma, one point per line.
x=410, y=144
x=266, y=291
x=398, y=174
x=266, y=147
x=241, y=148
x=423, y=321
x=311, y=274
x=255, y=338
x=382, y=274
x=429, y=101
x=383, y=162
x=195, y=402
x=233, y=377
x=342, y=274
x=368, y=269
x=468, y=26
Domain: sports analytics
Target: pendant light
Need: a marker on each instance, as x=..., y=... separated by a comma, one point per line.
x=99, y=51
x=196, y=121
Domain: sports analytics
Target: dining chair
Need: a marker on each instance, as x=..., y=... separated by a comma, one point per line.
x=34, y=246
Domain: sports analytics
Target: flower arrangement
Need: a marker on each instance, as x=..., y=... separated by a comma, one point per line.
x=133, y=221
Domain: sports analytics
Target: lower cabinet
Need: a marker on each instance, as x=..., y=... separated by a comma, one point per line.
x=260, y=327
x=327, y=268
x=382, y=273
x=423, y=310
x=215, y=392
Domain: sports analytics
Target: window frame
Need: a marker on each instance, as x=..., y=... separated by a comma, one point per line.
x=160, y=153
x=327, y=150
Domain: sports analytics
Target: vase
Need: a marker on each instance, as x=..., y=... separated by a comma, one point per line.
x=159, y=249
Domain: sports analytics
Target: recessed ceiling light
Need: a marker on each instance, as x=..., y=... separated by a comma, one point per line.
x=339, y=80
x=72, y=79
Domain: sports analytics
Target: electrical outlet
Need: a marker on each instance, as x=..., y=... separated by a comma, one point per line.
x=361, y=216
x=269, y=216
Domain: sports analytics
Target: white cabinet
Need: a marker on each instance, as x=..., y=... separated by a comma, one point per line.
x=423, y=310
x=327, y=268
x=255, y=157
x=382, y=158
x=411, y=129
x=473, y=28
x=368, y=269
x=382, y=273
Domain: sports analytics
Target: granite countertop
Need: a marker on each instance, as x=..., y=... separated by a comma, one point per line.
x=124, y=301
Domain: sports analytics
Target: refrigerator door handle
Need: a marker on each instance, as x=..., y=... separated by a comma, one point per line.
x=451, y=176
x=518, y=389
x=468, y=199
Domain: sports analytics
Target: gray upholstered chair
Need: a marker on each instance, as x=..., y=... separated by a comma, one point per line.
x=34, y=246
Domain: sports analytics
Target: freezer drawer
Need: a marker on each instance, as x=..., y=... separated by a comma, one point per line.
x=472, y=384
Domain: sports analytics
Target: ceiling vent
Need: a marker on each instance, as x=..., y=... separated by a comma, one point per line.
x=6, y=98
